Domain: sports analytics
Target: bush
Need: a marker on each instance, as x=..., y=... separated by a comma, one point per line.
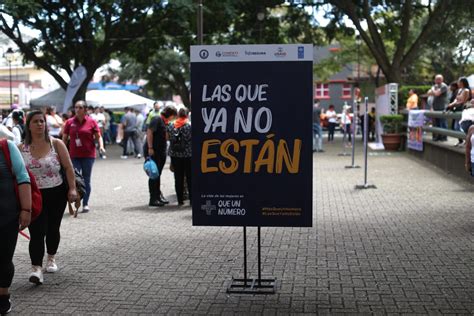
x=392, y=124
x=118, y=116
x=403, y=94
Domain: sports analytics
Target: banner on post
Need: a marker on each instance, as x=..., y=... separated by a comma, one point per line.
x=252, y=135
x=416, y=120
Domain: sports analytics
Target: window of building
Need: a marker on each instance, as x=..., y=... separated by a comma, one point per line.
x=321, y=91
x=346, y=90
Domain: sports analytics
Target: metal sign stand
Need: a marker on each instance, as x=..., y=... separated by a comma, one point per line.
x=366, y=133
x=344, y=153
x=252, y=286
x=354, y=131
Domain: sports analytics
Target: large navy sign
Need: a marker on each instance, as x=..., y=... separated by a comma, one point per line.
x=252, y=135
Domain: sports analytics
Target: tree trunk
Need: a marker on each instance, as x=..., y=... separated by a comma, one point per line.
x=184, y=93
x=394, y=75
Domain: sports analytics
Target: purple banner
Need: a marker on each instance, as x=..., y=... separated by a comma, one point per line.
x=416, y=119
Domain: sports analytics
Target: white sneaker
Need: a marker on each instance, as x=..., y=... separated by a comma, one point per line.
x=139, y=156
x=124, y=157
x=51, y=265
x=36, y=275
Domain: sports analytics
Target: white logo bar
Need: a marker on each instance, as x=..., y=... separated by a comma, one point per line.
x=234, y=53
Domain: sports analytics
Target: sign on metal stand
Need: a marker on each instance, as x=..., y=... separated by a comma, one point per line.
x=365, y=136
x=252, y=142
x=344, y=152
x=354, y=132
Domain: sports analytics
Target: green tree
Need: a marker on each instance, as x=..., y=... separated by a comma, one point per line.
x=74, y=33
x=387, y=29
x=165, y=64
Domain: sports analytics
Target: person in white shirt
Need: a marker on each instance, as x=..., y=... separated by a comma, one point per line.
x=332, y=120
x=18, y=127
x=346, y=124
x=100, y=119
x=54, y=122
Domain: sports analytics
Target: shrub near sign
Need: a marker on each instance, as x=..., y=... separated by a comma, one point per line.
x=252, y=135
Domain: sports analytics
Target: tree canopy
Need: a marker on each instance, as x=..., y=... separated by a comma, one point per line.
x=74, y=33
x=165, y=64
x=398, y=32
x=408, y=40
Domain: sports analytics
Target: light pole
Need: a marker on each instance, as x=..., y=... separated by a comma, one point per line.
x=358, y=42
x=260, y=18
x=199, y=23
x=10, y=56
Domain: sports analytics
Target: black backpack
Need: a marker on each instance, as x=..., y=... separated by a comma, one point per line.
x=177, y=141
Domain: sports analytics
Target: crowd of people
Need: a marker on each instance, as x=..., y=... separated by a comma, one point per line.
x=51, y=148
x=457, y=97
x=345, y=120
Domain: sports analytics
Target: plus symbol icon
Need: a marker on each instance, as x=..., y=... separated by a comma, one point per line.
x=208, y=207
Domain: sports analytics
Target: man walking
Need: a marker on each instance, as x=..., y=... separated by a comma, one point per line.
x=129, y=123
x=439, y=94
x=317, y=128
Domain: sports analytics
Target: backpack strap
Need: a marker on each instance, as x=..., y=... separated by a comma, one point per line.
x=6, y=154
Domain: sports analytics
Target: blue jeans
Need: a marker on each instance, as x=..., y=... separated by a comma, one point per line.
x=317, y=137
x=441, y=123
x=84, y=166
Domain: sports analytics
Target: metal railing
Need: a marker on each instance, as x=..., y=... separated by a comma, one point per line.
x=437, y=130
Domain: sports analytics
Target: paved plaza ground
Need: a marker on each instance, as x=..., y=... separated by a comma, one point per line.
x=405, y=247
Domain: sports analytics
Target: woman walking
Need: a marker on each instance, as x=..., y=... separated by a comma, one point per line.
x=45, y=156
x=14, y=214
x=80, y=131
x=54, y=122
x=179, y=134
x=332, y=120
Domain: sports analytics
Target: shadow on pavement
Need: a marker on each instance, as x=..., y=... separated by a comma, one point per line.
x=165, y=209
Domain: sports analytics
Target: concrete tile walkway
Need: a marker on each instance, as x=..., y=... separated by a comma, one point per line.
x=405, y=247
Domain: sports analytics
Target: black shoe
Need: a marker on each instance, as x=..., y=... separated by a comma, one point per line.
x=156, y=203
x=5, y=304
x=162, y=199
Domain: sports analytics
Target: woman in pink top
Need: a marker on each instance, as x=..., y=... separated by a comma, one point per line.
x=81, y=132
x=44, y=156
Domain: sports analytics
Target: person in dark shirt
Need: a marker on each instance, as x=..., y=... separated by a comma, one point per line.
x=180, y=153
x=317, y=128
x=155, y=148
x=439, y=92
x=15, y=214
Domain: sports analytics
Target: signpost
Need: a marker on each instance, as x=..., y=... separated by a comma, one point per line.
x=365, y=136
x=354, y=132
x=252, y=140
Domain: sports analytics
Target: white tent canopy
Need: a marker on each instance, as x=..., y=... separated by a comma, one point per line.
x=109, y=99
x=117, y=99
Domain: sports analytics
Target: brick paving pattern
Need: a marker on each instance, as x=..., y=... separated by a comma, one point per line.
x=406, y=247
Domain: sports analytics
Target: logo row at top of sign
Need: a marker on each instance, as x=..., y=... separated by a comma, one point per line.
x=236, y=53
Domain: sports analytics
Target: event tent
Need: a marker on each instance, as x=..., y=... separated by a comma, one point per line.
x=117, y=99
x=112, y=86
x=53, y=98
x=109, y=99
